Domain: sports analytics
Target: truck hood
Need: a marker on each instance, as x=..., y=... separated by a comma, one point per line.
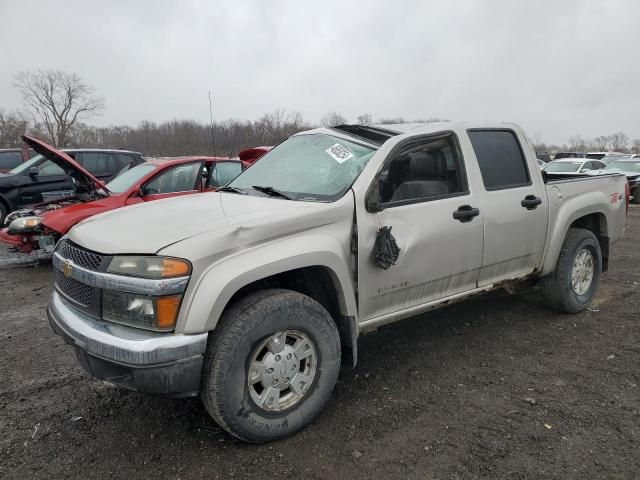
x=64, y=161
x=149, y=227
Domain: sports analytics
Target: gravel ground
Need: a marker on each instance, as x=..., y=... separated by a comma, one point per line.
x=499, y=386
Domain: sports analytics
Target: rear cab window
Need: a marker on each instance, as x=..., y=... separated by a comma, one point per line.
x=501, y=159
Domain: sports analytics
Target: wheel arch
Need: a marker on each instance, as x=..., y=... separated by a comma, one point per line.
x=593, y=220
x=320, y=274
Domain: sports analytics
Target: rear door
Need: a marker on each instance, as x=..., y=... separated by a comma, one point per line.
x=102, y=165
x=513, y=205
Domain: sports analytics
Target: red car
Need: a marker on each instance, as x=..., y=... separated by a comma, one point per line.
x=43, y=225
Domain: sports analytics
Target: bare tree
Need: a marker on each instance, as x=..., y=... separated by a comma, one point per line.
x=577, y=144
x=12, y=126
x=331, y=119
x=619, y=141
x=601, y=142
x=636, y=145
x=57, y=100
x=365, y=119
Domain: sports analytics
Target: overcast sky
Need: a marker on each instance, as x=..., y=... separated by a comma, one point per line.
x=556, y=67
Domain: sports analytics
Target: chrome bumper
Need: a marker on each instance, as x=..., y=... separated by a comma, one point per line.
x=140, y=360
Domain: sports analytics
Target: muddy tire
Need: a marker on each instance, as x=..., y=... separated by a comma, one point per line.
x=635, y=194
x=572, y=285
x=271, y=365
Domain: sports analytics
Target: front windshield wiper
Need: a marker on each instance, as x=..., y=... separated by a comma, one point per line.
x=227, y=188
x=271, y=191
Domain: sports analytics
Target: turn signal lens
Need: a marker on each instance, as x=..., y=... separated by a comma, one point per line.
x=167, y=311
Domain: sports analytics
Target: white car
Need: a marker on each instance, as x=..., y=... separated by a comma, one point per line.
x=572, y=166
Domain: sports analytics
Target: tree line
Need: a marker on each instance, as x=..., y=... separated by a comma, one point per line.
x=57, y=105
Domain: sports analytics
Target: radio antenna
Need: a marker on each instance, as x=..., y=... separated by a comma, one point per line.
x=213, y=136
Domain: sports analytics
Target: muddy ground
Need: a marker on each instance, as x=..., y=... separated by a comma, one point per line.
x=497, y=387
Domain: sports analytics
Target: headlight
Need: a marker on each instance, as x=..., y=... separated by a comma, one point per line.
x=149, y=267
x=142, y=311
x=24, y=225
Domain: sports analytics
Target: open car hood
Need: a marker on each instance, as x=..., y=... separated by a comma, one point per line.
x=64, y=161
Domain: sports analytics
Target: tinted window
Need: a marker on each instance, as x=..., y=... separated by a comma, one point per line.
x=500, y=158
x=9, y=160
x=177, y=179
x=421, y=171
x=223, y=173
x=97, y=162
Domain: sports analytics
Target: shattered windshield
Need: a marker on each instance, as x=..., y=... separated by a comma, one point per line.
x=315, y=167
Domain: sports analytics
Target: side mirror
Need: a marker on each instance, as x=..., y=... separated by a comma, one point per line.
x=33, y=172
x=585, y=170
x=372, y=199
x=141, y=191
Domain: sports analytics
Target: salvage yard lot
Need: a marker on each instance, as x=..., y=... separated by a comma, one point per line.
x=499, y=386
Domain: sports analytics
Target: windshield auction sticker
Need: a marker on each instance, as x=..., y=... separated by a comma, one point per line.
x=339, y=153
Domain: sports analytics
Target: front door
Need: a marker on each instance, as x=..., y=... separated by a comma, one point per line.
x=514, y=207
x=50, y=178
x=433, y=215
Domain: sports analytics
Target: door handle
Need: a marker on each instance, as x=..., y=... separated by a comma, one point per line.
x=531, y=202
x=465, y=213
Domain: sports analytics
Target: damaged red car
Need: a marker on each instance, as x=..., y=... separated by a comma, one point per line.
x=40, y=227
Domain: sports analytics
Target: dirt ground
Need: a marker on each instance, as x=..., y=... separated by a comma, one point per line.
x=497, y=387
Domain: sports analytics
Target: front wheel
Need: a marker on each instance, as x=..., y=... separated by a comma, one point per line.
x=271, y=365
x=635, y=194
x=573, y=284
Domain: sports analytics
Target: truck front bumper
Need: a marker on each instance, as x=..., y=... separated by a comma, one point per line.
x=140, y=360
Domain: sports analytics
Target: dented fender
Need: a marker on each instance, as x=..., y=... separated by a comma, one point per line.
x=208, y=295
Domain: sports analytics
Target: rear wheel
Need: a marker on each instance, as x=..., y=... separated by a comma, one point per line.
x=573, y=284
x=271, y=365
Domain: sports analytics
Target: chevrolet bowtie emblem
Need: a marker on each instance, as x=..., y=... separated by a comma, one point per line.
x=67, y=268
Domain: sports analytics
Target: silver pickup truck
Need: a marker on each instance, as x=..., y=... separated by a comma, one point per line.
x=253, y=296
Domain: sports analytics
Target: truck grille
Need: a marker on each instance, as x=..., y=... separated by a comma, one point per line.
x=84, y=296
x=79, y=256
x=74, y=290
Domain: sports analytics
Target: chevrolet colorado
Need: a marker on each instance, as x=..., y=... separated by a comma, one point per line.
x=253, y=296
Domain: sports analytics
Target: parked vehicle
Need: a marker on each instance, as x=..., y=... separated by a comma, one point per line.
x=10, y=158
x=43, y=225
x=614, y=158
x=630, y=167
x=543, y=156
x=572, y=166
x=561, y=155
x=602, y=155
x=251, y=155
x=253, y=295
x=40, y=179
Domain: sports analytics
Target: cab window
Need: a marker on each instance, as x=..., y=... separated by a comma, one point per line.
x=223, y=172
x=423, y=170
x=181, y=178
